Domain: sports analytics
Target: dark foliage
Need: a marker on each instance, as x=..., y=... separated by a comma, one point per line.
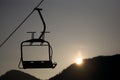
x=97, y=68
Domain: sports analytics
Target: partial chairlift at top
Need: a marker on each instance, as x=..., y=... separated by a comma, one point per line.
x=37, y=42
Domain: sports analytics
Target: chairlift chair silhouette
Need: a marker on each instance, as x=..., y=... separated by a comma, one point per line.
x=24, y=64
x=40, y=42
x=37, y=64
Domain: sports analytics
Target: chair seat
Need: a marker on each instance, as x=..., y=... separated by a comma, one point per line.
x=38, y=64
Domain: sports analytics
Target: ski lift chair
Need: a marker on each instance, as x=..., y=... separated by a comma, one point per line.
x=42, y=42
x=37, y=64
x=34, y=64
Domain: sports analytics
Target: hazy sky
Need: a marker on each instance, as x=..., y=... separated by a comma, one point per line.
x=91, y=27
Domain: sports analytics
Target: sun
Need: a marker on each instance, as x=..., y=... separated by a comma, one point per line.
x=79, y=58
x=79, y=61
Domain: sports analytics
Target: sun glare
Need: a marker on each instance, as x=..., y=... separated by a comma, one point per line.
x=79, y=61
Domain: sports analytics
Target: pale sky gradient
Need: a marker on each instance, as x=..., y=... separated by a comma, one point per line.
x=91, y=27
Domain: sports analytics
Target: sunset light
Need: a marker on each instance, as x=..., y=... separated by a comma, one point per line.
x=79, y=61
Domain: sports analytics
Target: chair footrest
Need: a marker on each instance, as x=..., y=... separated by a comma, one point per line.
x=38, y=64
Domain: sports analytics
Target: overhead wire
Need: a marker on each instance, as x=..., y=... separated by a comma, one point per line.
x=20, y=24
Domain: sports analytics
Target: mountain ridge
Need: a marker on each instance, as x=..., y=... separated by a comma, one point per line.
x=17, y=75
x=96, y=68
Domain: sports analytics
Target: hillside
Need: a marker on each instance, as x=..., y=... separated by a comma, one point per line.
x=17, y=75
x=97, y=68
